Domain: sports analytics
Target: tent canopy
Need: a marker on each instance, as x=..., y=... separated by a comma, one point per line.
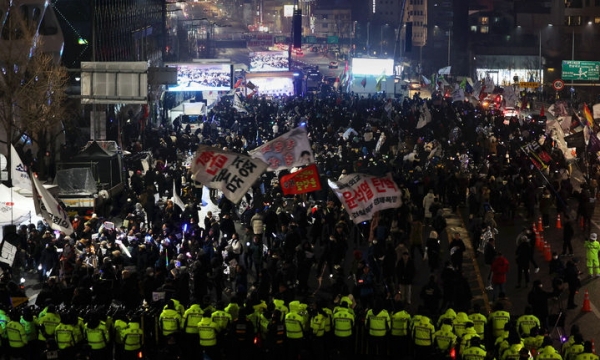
x=103, y=158
x=15, y=208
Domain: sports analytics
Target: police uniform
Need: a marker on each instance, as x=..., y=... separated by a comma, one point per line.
x=459, y=323
x=65, y=339
x=17, y=338
x=400, y=334
x=444, y=340
x=133, y=340
x=476, y=352
x=422, y=335
x=317, y=338
x=47, y=324
x=343, y=326
x=170, y=322
x=294, y=331
x=548, y=352
x=191, y=318
x=207, y=333
x=525, y=323
x=97, y=338
x=497, y=320
x=479, y=324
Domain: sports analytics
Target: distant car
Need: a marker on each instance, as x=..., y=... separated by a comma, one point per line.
x=414, y=85
x=510, y=112
x=299, y=52
x=333, y=65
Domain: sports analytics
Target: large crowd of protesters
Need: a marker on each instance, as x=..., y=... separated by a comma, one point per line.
x=295, y=277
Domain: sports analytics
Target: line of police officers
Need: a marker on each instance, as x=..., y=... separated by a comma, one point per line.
x=285, y=331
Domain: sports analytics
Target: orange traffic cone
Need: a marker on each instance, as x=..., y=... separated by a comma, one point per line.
x=558, y=222
x=547, y=252
x=538, y=240
x=586, y=302
x=540, y=226
x=540, y=244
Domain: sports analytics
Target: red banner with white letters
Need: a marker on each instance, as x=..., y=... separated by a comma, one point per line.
x=302, y=181
x=363, y=195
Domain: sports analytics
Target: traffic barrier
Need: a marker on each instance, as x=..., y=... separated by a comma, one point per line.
x=586, y=302
x=547, y=252
x=558, y=222
x=540, y=226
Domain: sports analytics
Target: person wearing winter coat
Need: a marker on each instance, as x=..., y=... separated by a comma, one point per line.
x=405, y=273
x=432, y=251
x=428, y=200
x=500, y=268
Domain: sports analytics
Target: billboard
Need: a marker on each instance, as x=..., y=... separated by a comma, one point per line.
x=114, y=82
x=269, y=61
x=202, y=77
x=580, y=70
x=272, y=84
x=364, y=66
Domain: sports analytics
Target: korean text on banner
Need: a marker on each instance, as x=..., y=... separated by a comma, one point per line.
x=302, y=181
x=19, y=175
x=363, y=195
x=227, y=171
x=289, y=150
x=47, y=207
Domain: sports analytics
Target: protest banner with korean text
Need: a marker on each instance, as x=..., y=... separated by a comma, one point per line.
x=227, y=171
x=302, y=181
x=289, y=150
x=363, y=195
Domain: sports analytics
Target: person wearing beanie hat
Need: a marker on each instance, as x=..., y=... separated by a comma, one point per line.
x=592, y=246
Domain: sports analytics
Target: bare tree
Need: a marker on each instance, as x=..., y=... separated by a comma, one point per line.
x=32, y=85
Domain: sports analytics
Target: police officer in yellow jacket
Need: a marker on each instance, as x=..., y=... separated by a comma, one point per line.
x=294, y=331
x=422, y=335
x=317, y=331
x=170, y=323
x=47, y=324
x=587, y=353
x=65, y=336
x=16, y=336
x=444, y=340
x=343, y=330
x=378, y=324
x=547, y=351
x=476, y=351
x=207, y=332
x=400, y=333
x=191, y=318
x=133, y=339
x=97, y=337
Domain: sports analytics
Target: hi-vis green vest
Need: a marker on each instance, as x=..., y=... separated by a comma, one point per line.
x=191, y=318
x=400, y=323
x=48, y=324
x=97, y=337
x=65, y=336
x=294, y=325
x=378, y=324
x=15, y=332
x=133, y=337
x=343, y=322
x=208, y=330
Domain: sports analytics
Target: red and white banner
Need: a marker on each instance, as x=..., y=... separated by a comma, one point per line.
x=227, y=171
x=289, y=150
x=302, y=181
x=363, y=195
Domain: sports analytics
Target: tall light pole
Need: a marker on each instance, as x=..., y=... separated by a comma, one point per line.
x=449, y=42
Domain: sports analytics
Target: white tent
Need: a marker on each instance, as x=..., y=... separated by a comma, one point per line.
x=14, y=208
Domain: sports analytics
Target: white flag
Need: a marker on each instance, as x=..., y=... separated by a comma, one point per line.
x=363, y=195
x=47, y=207
x=176, y=199
x=237, y=104
x=289, y=150
x=230, y=172
x=426, y=81
x=458, y=94
x=424, y=117
x=596, y=111
x=445, y=70
x=19, y=175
